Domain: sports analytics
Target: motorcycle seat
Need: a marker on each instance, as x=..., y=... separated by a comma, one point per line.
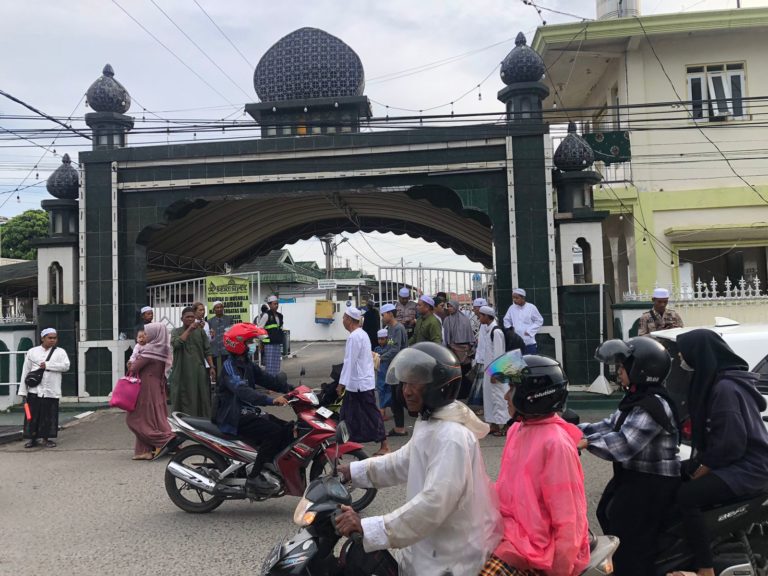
x=205, y=425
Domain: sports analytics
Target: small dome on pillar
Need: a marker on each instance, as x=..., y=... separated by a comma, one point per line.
x=574, y=153
x=523, y=64
x=107, y=94
x=63, y=183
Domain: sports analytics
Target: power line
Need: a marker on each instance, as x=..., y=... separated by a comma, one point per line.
x=203, y=52
x=540, y=8
x=187, y=66
x=223, y=34
x=44, y=115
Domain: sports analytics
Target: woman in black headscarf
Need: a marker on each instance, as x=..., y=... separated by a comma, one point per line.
x=729, y=439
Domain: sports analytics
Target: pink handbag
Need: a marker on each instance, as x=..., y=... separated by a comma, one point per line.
x=125, y=393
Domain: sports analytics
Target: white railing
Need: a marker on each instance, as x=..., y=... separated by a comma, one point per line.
x=462, y=285
x=15, y=319
x=743, y=301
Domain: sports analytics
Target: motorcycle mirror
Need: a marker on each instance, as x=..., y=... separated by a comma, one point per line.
x=571, y=417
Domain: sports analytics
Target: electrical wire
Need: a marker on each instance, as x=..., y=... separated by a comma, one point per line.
x=187, y=66
x=223, y=34
x=203, y=52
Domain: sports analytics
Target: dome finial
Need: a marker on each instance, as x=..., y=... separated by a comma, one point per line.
x=520, y=39
x=571, y=127
x=64, y=181
x=108, y=71
x=522, y=64
x=107, y=94
x=573, y=153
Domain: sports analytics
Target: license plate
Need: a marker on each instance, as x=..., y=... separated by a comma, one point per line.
x=324, y=412
x=272, y=559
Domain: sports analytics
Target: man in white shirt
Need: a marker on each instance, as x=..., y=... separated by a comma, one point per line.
x=358, y=384
x=525, y=318
x=490, y=345
x=449, y=523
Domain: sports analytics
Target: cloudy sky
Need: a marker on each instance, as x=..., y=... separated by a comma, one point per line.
x=417, y=55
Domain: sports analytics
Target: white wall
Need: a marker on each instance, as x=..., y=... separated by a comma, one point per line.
x=12, y=339
x=66, y=256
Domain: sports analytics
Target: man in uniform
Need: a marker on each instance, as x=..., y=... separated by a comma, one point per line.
x=272, y=322
x=405, y=310
x=659, y=317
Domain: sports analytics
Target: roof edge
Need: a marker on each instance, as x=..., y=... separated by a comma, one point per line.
x=656, y=24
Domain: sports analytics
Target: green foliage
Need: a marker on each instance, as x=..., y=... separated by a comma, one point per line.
x=19, y=230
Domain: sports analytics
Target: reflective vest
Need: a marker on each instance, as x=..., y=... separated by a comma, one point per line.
x=274, y=328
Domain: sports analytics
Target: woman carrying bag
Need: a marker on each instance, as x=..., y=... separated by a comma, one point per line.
x=41, y=389
x=149, y=420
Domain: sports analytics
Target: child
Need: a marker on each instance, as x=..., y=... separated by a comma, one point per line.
x=382, y=388
x=141, y=341
x=541, y=483
x=641, y=439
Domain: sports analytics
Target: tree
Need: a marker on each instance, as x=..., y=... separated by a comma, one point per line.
x=17, y=233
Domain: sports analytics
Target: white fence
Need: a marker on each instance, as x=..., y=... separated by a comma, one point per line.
x=743, y=301
x=461, y=285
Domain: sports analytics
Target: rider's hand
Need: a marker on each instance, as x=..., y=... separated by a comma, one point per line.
x=339, y=390
x=344, y=472
x=582, y=444
x=348, y=522
x=279, y=401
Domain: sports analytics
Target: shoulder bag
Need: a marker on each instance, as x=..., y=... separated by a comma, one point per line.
x=34, y=377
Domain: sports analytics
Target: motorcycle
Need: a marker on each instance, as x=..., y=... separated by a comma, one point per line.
x=311, y=551
x=737, y=528
x=201, y=476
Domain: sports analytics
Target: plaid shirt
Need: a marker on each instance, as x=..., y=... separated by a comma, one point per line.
x=641, y=444
x=671, y=319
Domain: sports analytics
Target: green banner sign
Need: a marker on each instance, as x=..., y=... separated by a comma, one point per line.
x=233, y=292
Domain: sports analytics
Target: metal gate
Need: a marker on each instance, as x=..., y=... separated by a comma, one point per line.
x=168, y=300
x=461, y=285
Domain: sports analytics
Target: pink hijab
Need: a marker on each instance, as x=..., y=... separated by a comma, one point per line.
x=157, y=346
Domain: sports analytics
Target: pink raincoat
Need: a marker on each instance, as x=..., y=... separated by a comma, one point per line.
x=542, y=500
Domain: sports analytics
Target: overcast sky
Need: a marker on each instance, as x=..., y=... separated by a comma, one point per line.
x=53, y=50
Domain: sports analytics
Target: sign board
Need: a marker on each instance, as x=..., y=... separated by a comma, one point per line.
x=233, y=292
x=326, y=284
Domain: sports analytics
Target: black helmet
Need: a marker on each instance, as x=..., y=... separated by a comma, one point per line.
x=646, y=361
x=542, y=387
x=431, y=364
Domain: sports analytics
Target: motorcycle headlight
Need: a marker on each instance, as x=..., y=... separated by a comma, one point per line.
x=302, y=516
x=313, y=398
x=606, y=566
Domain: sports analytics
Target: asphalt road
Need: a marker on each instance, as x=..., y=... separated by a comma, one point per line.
x=87, y=508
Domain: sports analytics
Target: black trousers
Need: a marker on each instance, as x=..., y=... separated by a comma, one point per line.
x=692, y=496
x=398, y=405
x=466, y=382
x=267, y=432
x=633, y=507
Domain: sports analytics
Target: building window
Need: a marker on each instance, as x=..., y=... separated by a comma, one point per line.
x=706, y=264
x=55, y=283
x=582, y=262
x=717, y=91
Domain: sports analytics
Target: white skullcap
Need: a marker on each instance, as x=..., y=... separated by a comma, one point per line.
x=353, y=313
x=661, y=293
x=488, y=311
x=217, y=303
x=382, y=333
x=404, y=293
x=388, y=308
x=519, y=292
x=427, y=299
x=272, y=299
x=147, y=309
x=480, y=302
x=47, y=331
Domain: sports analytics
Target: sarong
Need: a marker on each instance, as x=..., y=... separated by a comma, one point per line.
x=272, y=357
x=45, y=417
x=363, y=417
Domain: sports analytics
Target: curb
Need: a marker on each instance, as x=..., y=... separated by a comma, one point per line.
x=16, y=434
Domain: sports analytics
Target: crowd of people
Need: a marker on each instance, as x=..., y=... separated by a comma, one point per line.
x=421, y=358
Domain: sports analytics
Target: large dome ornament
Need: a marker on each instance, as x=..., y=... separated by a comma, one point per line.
x=573, y=153
x=308, y=64
x=64, y=182
x=523, y=64
x=107, y=94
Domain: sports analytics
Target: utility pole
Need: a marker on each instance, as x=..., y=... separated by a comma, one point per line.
x=329, y=249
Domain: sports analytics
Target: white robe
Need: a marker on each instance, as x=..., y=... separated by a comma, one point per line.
x=495, y=410
x=50, y=385
x=358, y=374
x=526, y=319
x=450, y=521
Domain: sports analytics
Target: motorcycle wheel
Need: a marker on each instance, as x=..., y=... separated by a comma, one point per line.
x=201, y=459
x=321, y=465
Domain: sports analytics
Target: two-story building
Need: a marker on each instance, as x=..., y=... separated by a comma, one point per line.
x=674, y=106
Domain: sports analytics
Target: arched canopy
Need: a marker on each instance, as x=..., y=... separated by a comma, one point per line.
x=237, y=230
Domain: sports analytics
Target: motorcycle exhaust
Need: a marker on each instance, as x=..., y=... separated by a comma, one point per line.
x=191, y=477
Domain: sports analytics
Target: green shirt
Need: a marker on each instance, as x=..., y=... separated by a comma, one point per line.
x=428, y=329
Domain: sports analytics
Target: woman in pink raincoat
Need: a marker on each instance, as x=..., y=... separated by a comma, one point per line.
x=541, y=483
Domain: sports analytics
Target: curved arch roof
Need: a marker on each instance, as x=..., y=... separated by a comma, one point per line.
x=237, y=230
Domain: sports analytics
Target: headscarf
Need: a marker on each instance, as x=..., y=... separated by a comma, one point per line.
x=709, y=355
x=157, y=346
x=457, y=327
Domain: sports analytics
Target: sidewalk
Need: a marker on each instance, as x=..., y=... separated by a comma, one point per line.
x=11, y=422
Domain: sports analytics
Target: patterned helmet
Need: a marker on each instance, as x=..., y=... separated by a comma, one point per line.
x=236, y=338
